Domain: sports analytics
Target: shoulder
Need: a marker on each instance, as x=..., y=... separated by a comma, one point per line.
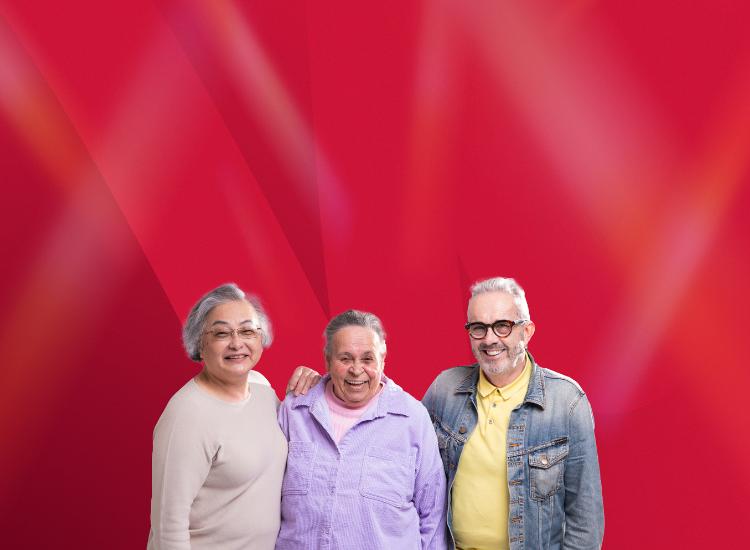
x=399, y=401
x=188, y=407
x=254, y=377
x=560, y=381
x=456, y=376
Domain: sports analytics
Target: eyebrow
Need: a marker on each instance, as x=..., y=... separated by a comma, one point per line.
x=226, y=323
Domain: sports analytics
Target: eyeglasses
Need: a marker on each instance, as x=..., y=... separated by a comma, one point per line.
x=501, y=328
x=223, y=333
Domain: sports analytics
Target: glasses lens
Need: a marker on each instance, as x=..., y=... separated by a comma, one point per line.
x=221, y=334
x=477, y=330
x=502, y=328
x=248, y=332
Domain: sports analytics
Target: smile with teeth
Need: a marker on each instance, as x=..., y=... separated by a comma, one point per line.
x=493, y=352
x=236, y=356
x=356, y=383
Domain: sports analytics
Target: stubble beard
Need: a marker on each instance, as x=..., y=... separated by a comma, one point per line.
x=512, y=358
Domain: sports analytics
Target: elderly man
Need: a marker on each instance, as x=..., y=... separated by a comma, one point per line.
x=517, y=440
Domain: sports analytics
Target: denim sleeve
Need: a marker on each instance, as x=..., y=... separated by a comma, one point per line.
x=429, y=490
x=584, y=511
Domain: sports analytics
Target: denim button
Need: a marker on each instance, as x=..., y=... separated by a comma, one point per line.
x=462, y=431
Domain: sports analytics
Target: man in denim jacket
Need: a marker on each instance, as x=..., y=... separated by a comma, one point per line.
x=529, y=476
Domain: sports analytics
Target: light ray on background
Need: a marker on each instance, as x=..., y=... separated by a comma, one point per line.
x=616, y=155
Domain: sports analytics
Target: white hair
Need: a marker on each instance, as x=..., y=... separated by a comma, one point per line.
x=501, y=284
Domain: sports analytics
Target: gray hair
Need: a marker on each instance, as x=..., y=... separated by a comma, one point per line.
x=192, y=332
x=509, y=286
x=353, y=318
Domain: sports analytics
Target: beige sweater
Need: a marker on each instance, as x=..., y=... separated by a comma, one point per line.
x=216, y=471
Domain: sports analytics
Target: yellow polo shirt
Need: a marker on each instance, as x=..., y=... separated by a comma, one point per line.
x=480, y=495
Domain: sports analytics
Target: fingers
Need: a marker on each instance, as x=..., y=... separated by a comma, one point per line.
x=308, y=380
x=302, y=380
x=293, y=380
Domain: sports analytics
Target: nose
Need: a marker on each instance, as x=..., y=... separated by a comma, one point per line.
x=235, y=341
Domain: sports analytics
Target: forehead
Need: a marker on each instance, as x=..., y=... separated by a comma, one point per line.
x=355, y=340
x=492, y=306
x=231, y=312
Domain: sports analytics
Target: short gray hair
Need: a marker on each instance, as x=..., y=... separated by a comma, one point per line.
x=510, y=286
x=192, y=332
x=353, y=318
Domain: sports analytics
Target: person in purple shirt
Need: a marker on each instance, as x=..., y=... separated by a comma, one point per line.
x=363, y=469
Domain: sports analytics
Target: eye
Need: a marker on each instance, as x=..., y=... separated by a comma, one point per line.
x=368, y=359
x=247, y=333
x=221, y=334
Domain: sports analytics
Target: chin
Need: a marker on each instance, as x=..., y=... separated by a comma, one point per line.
x=499, y=369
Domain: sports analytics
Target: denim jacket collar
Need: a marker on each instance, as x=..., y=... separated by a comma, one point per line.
x=535, y=393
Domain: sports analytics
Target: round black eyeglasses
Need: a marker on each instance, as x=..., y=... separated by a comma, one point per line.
x=500, y=328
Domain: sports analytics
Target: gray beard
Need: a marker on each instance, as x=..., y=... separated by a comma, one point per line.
x=509, y=364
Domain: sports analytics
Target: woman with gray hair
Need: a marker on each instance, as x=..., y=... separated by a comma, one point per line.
x=364, y=469
x=219, y=456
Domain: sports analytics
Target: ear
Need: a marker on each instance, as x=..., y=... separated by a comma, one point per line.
x=528, y=332
x=328, y=362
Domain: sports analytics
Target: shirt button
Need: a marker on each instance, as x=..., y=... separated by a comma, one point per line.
x=494, y=404
x=490, y=421
x=327, y=530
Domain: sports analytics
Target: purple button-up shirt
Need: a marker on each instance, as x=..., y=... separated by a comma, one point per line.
x=382, y=487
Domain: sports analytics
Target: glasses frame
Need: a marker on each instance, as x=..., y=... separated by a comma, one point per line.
x=232, y=331
x=486, y=327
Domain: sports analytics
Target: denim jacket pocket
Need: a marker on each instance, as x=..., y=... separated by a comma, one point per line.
x=299, y=468
x=547, y=467
x=387, y=476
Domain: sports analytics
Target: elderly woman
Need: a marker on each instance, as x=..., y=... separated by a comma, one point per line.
x=363, y=469
x=219, y=455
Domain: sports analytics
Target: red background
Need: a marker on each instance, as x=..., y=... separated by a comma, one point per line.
x=380, y=156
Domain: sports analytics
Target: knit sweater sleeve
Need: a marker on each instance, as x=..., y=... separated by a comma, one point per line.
x=181, y=460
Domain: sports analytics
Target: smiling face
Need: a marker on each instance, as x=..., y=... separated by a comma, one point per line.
x=355, y=365
x=501, y=359
x=229, y=360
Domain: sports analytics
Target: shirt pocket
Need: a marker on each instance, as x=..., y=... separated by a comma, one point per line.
x=299, y=468
x=547, y=468
x=387, y=476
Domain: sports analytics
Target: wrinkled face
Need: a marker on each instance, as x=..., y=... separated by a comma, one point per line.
x=355, y=365
x=234, y=357
x=497, y=355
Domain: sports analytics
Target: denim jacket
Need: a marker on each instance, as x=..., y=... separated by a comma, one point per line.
x=553, y=468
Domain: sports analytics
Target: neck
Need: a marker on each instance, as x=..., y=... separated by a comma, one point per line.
x=233, y=391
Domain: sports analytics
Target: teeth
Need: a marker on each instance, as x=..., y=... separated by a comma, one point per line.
x=493, y=352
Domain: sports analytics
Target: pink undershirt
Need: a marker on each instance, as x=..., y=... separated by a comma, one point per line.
x=342, y=415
